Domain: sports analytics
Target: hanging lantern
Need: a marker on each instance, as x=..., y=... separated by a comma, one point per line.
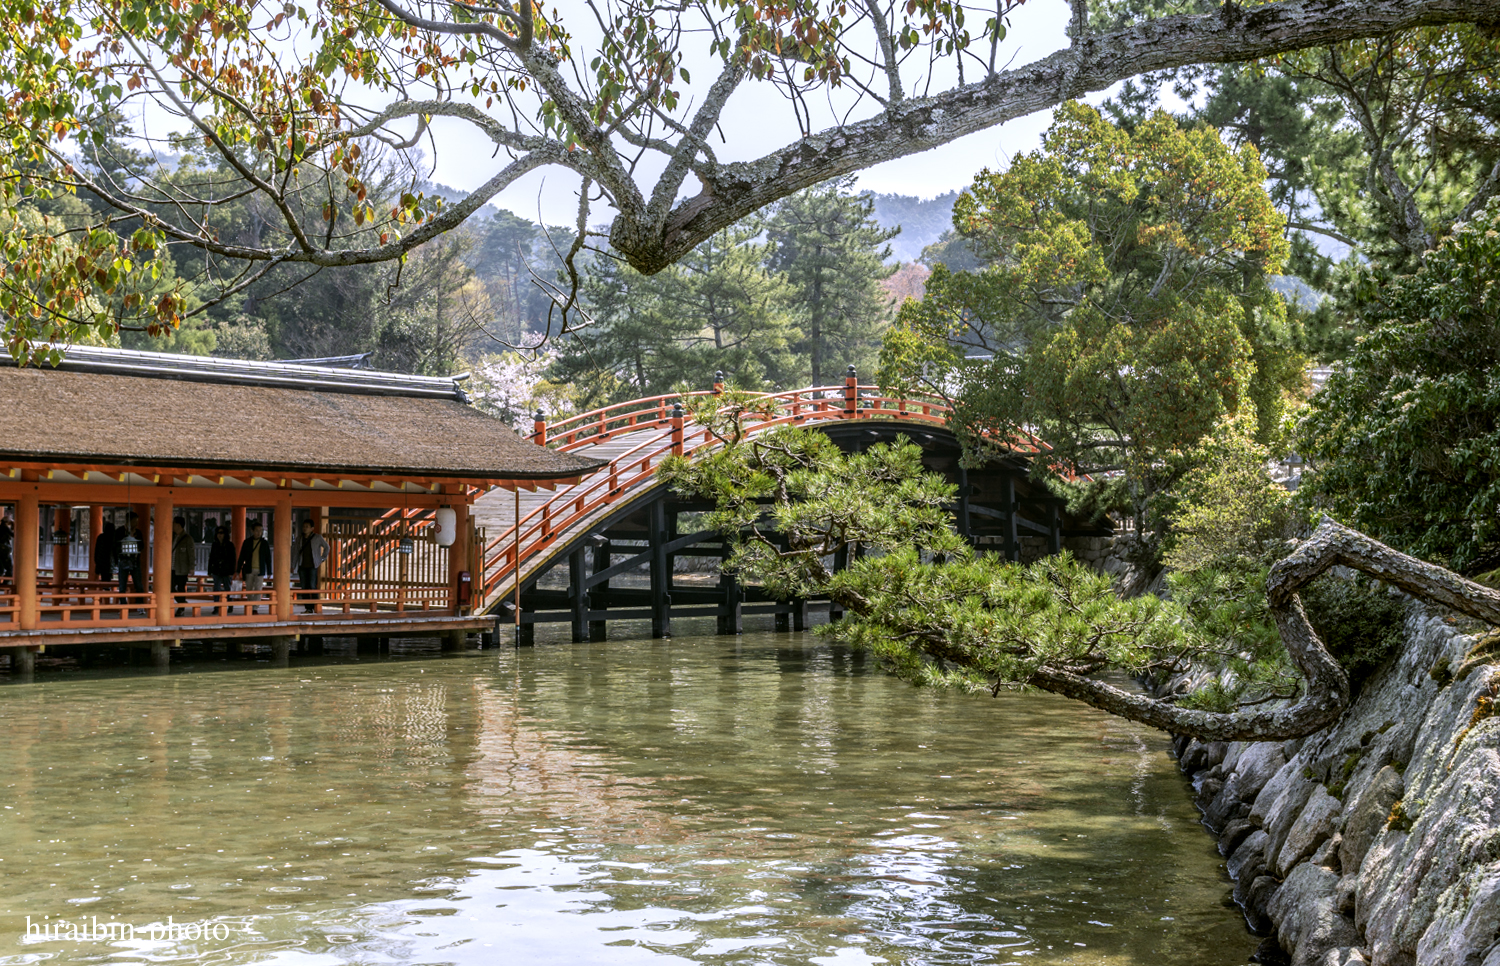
x=447, y=526
x=407, y=544
x=59, y=538
x=130, y=547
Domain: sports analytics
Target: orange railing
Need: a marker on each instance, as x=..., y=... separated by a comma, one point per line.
x=547, y=526
x=106, y=608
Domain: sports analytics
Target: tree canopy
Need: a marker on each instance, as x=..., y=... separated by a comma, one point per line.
x=1405, y=438
x=295, y=107
x=1122, y=308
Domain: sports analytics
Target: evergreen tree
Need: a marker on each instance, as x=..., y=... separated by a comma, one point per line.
x=832, y=253
x=1123, y=309
x=717, y=309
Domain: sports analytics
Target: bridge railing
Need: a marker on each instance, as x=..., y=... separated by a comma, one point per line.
x=529, y=540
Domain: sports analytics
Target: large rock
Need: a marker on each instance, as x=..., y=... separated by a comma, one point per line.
x=1282, y=817
x=1199, y=755
x=1252, y=767
x=1234, y=834
x=1308, y=922
x=1366, y=816
x=1424, y=880
x=1475, y=933
x=1315, y=824
x=1246, y=858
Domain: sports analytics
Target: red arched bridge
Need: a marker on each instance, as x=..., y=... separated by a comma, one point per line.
x=607, y=547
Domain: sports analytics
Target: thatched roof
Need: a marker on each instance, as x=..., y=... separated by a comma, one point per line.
x=180, y=419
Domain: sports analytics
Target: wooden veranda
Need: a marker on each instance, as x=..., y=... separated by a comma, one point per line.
x=384, y=467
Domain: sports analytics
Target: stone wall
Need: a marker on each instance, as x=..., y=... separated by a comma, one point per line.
x=1377, y=840
x=1111, y=555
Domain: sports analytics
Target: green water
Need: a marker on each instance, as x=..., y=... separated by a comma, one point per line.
x=765, y=800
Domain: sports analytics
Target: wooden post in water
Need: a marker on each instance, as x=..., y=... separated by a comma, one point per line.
x=578, y=595
x=661, y=575
x=731, y=615
x=599, y=630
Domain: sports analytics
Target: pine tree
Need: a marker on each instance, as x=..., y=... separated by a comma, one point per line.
x=832, y=253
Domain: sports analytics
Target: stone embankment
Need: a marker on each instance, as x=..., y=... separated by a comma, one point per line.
x=1377, y=840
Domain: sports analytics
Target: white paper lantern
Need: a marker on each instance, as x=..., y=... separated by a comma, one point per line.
x=447, y=526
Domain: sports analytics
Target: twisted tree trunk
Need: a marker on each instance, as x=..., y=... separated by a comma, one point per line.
x=1327, y=693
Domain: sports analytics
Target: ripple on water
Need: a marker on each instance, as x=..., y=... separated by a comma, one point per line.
x=762, y=799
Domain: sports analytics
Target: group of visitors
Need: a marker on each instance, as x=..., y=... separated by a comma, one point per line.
x=251, y=565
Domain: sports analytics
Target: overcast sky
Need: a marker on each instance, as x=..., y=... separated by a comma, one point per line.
x=758, y=120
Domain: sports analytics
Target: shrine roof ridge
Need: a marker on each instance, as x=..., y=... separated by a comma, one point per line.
x=244, y=372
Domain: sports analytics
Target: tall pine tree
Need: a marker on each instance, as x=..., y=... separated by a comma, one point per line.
x=832, y=253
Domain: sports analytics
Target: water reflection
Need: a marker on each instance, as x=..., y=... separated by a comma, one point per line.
x=702, y=800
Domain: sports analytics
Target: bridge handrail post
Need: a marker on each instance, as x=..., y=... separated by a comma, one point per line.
x=719, y=383
x=539, y=427
x=677, y=429
x=851, y=393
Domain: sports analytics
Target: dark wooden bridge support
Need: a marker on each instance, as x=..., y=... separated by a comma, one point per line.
x=840, y=562
x=963, y=520
x=661, y=573
x=578, y=593
x=731, y=620
x=599, y=629
x=23, y=662
x=1012, y=540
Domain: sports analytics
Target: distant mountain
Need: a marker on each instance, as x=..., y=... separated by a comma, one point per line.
x=1297, y=292
x=922, y=221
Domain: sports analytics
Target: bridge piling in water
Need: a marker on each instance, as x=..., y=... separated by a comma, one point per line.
x=661, y=573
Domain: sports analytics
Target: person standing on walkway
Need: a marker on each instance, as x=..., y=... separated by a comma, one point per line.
x=221, y=562
x=104, y=553
x=254, y=564
x=184, y=558
x=308, y=553
x=7, y=544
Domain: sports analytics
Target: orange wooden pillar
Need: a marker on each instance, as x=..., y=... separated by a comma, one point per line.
x=281, y=556
x=28, y=520
x=161, y=560
x=237, y=528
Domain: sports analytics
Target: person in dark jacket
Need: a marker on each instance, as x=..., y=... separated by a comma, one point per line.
x=254, y=563
x=7, y=544
x=222, y=561
x=104, y=553
x=308, y=553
